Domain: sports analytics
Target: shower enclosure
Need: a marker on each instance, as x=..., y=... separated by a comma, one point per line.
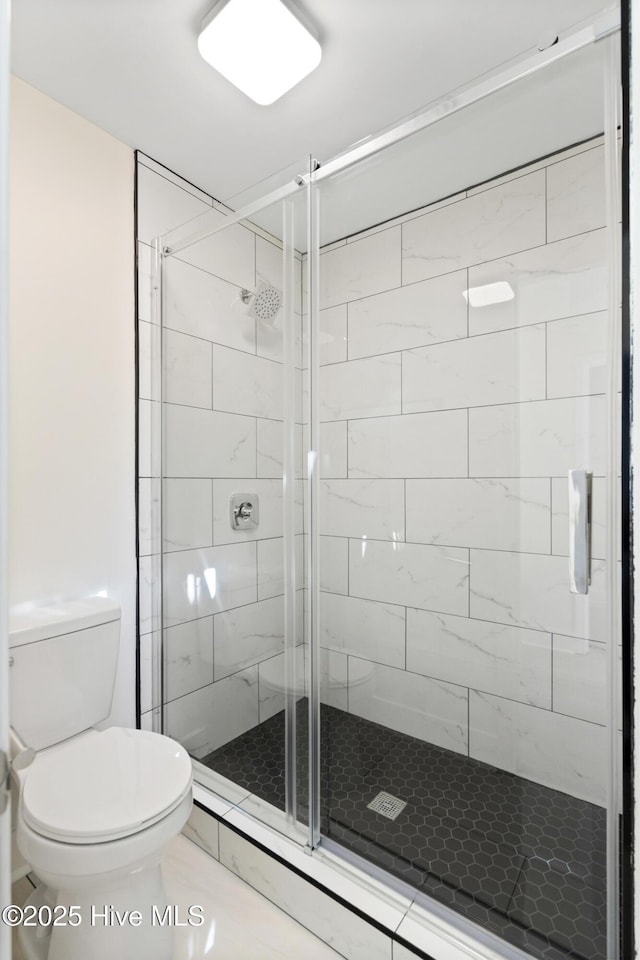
x=388, y=443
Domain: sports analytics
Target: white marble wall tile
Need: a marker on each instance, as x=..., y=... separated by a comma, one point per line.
x=576, y=199
x=362, y=508
x=246, y=635
x=270, y=338
x=418, y=706
x=272, y=682
x=270, y=568
x=199, y=304
x=149, y=650
x=487, y=225
x=334, y=564
x=506, y=367
x=269, y=267
x=143, y=283
x=229, y=254
x=163, y=205
x=360, y=269
x=206, y=719
x=347, y=933
x=360, y=388
x=576, y=356
x=146, y=418
x=580, y=678
x=561, y=752
x=270, y=505
x=333, y=449
x=496, y=514
x=188, y=514
x=200, y=582
x=561, y=279
x=412, y=316
x=332, y=346
x=205, y=443
x=202, y=829
x=560, y=517
x=247, y=385
x=188, y=650
x=187, y=370
x=539, y=439
x=148, y=348
x=148, y=592
x=417, y=445
x=334, y=682
x=363, y=628
x=532, y=591
x=148, y=515
x=491, y=657
x=269, y=448
x=432, y=578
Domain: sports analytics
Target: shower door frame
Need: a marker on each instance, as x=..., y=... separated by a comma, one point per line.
x=180, y=238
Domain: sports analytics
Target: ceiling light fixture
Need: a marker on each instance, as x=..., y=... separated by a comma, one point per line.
x=259, y=46
x=489, y=293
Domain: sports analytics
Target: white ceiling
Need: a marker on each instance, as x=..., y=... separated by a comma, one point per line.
x=132, y=67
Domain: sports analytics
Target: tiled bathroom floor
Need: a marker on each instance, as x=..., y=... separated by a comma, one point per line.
x=240, y=924
x=526, y=861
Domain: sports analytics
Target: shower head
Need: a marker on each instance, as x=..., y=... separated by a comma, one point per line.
x=265, y=302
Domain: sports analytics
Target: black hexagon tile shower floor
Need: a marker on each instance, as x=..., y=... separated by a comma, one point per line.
x=525, y=861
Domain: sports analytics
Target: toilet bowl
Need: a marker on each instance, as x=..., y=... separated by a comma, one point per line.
x=96, y=808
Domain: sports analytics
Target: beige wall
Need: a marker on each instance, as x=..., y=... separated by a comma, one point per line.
x=72, y=407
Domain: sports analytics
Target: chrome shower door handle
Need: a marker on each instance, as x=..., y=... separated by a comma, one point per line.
x=579, y=531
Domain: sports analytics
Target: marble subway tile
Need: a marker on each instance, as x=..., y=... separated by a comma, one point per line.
x=562, y=279
x=580, y=678
x=532, y=591
x=432, y=578
x=561, y=752
x=272, y=681
x=270, y=566
x=269, y=267
x=417, y=445
x=333, y=449
x=560, y=515
x=163, y=205
x=148, y=361
x=149, y=656
x=362, y=508
x=539, y=439
x=247, y=385
x=506, y=367
x=360, y=269
x=269, y=494
x=577, y=356
x=188, y=514
x=491, y=224
x=148, y=515
x=334, y=564
x=245, y=635
x=201, y=582
x=363, y=628
x=418, y=706
x=576, y=199
x=334, y=680
x=188, y=657
x=332, y=347
x=206, y=443
x=270, y=437
x=199, y=304
x=495, y=514
x=360, y=388
x=491, y=657
x=229, y=253
x=412, y=316
x=206, y=719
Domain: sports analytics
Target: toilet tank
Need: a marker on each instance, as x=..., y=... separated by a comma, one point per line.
x=63, y=660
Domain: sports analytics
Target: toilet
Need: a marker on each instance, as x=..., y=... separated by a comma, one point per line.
x=96, y=808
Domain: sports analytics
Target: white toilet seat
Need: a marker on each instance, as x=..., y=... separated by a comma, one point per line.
x=105, y=785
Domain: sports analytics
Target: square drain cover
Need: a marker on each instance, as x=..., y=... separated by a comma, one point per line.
x=387, y=805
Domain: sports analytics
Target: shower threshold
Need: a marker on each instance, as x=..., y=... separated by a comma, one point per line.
x=524, y=861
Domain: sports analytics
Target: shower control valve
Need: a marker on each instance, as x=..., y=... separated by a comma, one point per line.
x=244, y=511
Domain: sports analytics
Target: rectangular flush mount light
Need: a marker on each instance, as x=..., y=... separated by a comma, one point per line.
x=489, y=293
x=259, y=45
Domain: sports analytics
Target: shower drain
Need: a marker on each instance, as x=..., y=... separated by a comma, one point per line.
x=387, y=805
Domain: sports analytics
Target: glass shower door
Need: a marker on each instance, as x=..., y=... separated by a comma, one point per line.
x=466, y=394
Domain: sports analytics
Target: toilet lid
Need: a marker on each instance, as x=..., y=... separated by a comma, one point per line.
x=104, y=785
